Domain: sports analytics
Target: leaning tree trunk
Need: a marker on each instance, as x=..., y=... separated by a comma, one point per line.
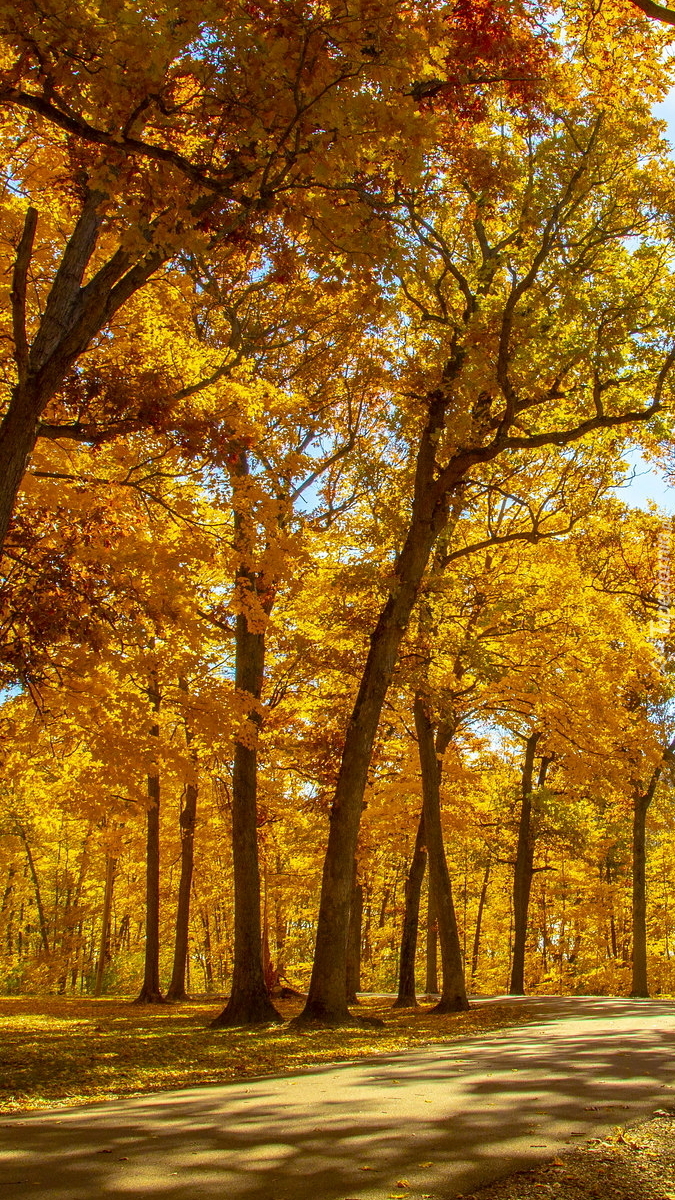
x=453, y=988
x=151, y=992
x=188, y=817
x=249, y=1002
x=479, y=919
x=524, y=865
x=407, y=996
x=327, y=999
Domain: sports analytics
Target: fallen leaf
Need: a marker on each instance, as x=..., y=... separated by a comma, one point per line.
x=557, y=1162
x=366, y=1168
x=428, y=1164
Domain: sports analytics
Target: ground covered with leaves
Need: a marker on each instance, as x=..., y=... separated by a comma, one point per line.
x=61, y=1051
x=637, y=1163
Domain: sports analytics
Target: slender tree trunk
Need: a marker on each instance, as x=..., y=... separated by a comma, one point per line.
x=641, y=802
x=407, y=997
x=176, y=991
x=431, y=977
x=354, y=942
x=327, y=999
x=104, y=944
x=479, y=919
x=188, y=817
x=453, y=988
x=523, y=871
x=44, y=935
x=249, y=1002
x=151, y=992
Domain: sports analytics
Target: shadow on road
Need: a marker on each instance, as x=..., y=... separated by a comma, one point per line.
x=441, y=1119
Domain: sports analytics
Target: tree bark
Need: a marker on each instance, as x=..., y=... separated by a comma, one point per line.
x=249, y=1002
x=431, y=976
x=641, y=802
x=188, y=817
x=354, y=943
x=176, y=991
x=104, y=944
x=151, y=992
x=523, y=870
x=407, y=996
x=453, y=988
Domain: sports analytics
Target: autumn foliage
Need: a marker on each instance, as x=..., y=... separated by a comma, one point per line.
x=329, y=334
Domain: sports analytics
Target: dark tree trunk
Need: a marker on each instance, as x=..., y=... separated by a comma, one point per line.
x=431, y=949
x=641, y=802
x=104, y=944
x=327, y=999
x=151, y=992
x=479, y=919
x=407, y=996
x=453, y=988
x=523, y=870
x=188, y=817
x=354, y=943
x=249, y=1002
x=44, y=935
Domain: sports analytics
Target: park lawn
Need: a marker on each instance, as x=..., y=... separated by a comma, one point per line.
x=58, y=1051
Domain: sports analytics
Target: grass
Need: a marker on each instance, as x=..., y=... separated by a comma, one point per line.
x=58, y=1051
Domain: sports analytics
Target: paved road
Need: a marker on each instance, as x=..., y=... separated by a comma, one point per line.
x=443, y=1119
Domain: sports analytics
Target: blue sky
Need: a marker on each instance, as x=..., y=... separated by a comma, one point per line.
x=648, y=483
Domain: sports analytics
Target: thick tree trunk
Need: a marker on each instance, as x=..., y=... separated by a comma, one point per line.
x=249, y=1002
x=327, y=999
x=479, y=919
x=104, y=944
x=453, y=988
x=188, y=817
x=523, y=870
x=407, y=996
x=151, y=992
x=354, y=943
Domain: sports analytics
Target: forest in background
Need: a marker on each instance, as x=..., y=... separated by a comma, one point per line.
x=331, y=656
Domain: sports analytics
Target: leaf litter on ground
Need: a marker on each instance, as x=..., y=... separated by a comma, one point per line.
x=60, y=1051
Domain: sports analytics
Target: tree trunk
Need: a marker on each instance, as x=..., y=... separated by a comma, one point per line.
x=453, y=988
x=479, y=919
x=431, y=977
x=104, y=944
x=407, y=997
x=523, y=871
x=354, y=943
x=188, y=817
x=327, y=999
x=151, y=992
x=641, y=802
x=44, y=936
x=249, y=1002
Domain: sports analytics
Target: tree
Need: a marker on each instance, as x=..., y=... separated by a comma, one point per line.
x=511, y=274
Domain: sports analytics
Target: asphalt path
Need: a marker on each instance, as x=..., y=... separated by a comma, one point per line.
x=432, y=1122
